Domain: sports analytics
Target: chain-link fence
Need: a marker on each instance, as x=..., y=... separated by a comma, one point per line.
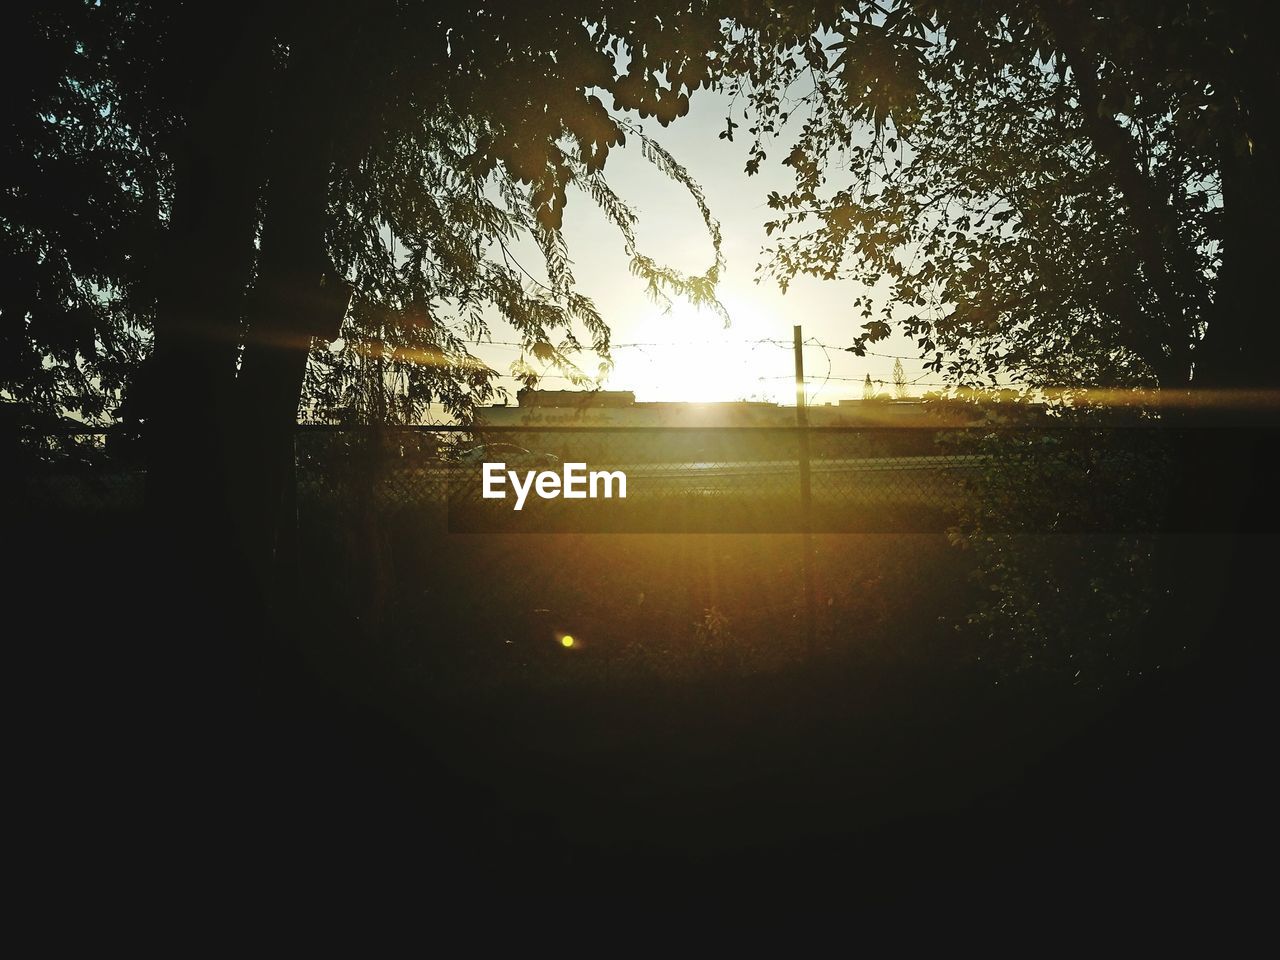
x=673, y=479
x=73, y=469
x=640, y=479
x=738, y=479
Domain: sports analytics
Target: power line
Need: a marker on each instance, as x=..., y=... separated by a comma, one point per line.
x=918, y=382
x=753, y=343
x=769, y=341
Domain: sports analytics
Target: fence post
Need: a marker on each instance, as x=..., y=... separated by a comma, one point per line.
x=806, y=499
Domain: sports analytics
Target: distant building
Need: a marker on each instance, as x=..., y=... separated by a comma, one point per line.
x=697, y=437
x=575, y=399
x=620, y=408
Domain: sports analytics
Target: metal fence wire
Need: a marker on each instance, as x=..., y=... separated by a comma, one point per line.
x=737, y=479
x=664, y=479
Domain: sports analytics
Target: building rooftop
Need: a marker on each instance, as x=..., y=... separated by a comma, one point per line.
x=575, y=398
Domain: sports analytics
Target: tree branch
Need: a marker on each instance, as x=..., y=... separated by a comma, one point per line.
x=1152, y=217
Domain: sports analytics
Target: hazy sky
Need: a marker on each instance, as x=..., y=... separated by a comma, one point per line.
x=699, y=359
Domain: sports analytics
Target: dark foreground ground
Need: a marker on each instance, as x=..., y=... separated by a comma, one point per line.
x=423, y=717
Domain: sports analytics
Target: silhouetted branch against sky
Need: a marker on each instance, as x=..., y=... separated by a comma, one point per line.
x=1033, y=192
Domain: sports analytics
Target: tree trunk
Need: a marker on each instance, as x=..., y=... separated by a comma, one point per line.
x=1165, y=339
x=202, y=279
x=296, y=297
x=192, y=658
x=1235, y=354
x=207, y=263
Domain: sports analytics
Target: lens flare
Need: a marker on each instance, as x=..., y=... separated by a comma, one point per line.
x=567, y=641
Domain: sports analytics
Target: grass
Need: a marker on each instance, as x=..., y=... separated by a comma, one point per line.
x=689, y=732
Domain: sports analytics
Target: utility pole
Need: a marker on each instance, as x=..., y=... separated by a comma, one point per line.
x=806, y=499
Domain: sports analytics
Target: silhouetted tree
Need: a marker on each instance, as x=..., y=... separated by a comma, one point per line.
x=1068, y=191
x=79, y=211
x=1052, y=193
x=234, y=184
x=899, y=381
x=1044, y=192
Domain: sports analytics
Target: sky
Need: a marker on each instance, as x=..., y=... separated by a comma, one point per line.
x=689, y=354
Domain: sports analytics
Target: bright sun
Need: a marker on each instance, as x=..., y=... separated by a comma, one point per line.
x=700, y=360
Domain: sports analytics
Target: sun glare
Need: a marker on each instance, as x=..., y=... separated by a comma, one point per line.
x=702, y=361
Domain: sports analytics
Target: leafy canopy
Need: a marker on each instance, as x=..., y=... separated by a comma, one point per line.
x=456, y=133
x=1032, y=191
